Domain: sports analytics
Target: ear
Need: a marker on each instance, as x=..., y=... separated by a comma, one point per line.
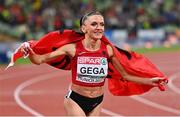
x=83, y=29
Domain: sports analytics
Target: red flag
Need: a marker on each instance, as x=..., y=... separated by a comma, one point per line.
x=132, y=62
x=138, y=65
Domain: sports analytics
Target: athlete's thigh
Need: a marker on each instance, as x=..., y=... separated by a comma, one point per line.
x=96, y=111
x=72, y=108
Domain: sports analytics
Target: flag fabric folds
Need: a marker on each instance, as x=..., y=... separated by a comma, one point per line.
x=133, y=63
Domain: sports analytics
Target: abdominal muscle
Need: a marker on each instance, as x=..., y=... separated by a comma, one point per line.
x=90, y=92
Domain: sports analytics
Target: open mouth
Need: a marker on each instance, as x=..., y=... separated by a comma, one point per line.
x=98, y=33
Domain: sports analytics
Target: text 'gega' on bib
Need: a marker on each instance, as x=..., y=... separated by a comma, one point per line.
x=91, y=69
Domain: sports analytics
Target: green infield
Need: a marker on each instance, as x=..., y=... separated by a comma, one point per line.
x=157, y=49
x=138, y=50
x=19, y=61
x=23, y=61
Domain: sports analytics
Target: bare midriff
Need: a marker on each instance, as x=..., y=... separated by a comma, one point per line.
x=90, y=92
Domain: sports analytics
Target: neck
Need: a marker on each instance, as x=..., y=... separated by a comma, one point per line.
x=91, y=44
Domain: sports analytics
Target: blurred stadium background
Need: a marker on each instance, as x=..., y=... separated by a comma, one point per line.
x=129, y=23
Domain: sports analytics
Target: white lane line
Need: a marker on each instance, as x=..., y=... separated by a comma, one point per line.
x=171, y=85
x=110, y=113
x=156, y=105
x=38, y=79
x=104, y=109
x=159, y=106
x=27, y=83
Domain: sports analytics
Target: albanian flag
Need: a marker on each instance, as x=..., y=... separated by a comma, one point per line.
x=133, y=63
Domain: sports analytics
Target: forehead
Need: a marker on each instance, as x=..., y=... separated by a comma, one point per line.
x=95, y=18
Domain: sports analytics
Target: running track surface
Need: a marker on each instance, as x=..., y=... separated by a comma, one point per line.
x=31, y=90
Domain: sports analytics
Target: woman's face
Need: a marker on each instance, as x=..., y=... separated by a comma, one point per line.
x=93, y=27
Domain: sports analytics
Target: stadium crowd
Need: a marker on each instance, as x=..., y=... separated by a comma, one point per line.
x=37, y=17
x=48, y=15
x=30, y=19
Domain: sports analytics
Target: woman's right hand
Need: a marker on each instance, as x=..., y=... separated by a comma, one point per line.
x=25, y=49
x=28, y=52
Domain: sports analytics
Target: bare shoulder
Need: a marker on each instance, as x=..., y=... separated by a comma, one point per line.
x=110, y=50
x=70, y=49
x=69, y=46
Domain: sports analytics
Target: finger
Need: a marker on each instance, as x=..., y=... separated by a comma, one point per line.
x=24, y=51
x=160, y=82
x=164, y=82
x=160, y=79
x=24, y=47
x=31, y=51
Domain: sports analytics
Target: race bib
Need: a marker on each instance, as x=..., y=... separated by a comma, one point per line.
x=91, y=69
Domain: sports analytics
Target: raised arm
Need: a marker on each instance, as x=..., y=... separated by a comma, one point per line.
x=149, y=81
x=68, y=49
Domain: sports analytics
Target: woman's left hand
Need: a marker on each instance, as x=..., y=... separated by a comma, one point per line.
x=159, y=82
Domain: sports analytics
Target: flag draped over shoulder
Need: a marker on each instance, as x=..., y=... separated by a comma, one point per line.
x=133, y=63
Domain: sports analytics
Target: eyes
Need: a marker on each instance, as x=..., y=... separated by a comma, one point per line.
x=96, y=24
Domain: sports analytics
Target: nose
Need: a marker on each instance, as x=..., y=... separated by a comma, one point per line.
x=99, y=27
